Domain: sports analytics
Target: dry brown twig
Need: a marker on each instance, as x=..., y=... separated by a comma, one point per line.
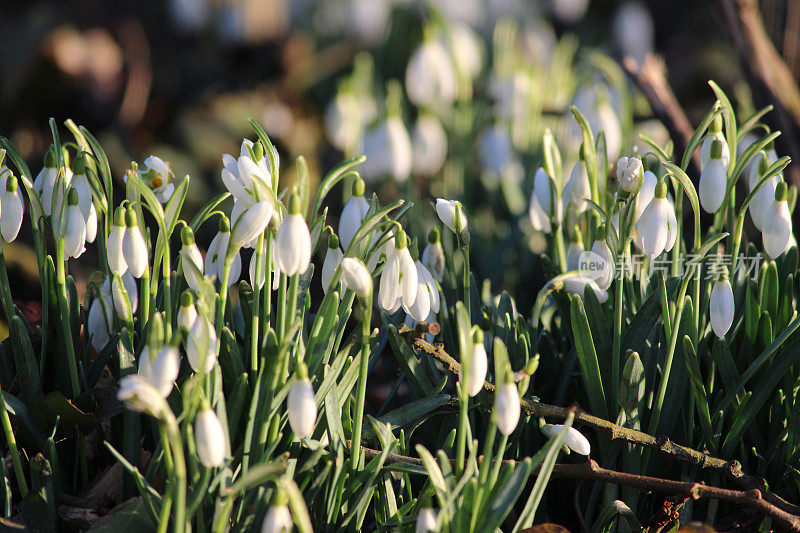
x=731, y=469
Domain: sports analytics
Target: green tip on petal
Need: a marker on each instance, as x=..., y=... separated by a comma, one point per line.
x=119, y=216
x=78, y=165
x=294, y=205
x=359, y=187
x=477, y=336
x=716, y=149
x=72, y=197
x=224, y=224
x=781, y=192
x=11, y=183
x=50, y=159
x=187, y=236
x=131, y=220
x=400, y=239
x=333, y=241
x=661, y=189
x=433, y=236
x=763, y=163
x=186, y=298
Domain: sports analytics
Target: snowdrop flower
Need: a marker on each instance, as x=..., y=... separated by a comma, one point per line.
x=217, y=250
x=301, y=404
x=645, y=195
x=45, y=182
x=74, y=234
x=764, y=196
x=575, y=250
x=345, y=117
x=11, y=206
x=293, y=241
x=426, y=520
x=576, y=284
x=201, y=346
x=134, y=249
x=452, y=215
x=353, y=214
x=427, y=299
x=506, y=405
x=633, y=30
x=123, y=294
x=574, y=440
x=263, y=274
x=80, y=183
x=713, y=180
x=248, y=178
x=191, y=259
x=657, y=228
x=333, y=257
x=478, y=364
x=356, y=277
x=162, y=371
x=278, y=519
x=576, y=191
x=249, y=222
x=433, y=255
x=114, y=253
x=777, y=231
x=714, y=134
x=496, y=151
x=209, y=437
x=542, y=201
x=721, y=306
x=603, y=253
x=630, y=174
x=595, y=103
x=156, y=173
x=187, y=313
x=466, y=49
x=388, y=150
x=399, y=278
x=100, y=318
x=139, y=395
x=429, y=145
x=430, y=77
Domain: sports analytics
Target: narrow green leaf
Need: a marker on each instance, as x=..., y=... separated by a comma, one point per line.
x=587, y=357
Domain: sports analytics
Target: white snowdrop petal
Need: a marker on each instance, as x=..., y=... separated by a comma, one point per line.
x=293, y=245
x=75, y=233
x=506, y=404
x=251, y=223
x=333, y=257
x=350, y=221
x=11, y=211
x=478, y=365
x=721, y=307
x=356, y=276
x=210, y=439
x=777, y=230
x=277, y=520
x=302, y=408
x=134, y=250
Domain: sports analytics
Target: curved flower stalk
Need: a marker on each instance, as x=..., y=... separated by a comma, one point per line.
x=156, y=173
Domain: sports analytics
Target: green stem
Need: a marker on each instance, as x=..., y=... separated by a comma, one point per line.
x=465, y=252
x=144, y=299
x=223, y=291
x=461, y=434
x=280, y=326
x=362, y=382
x=178, y=471
x=167, y=270
x=255, y=306
x=12, y=447
x=63, y=305
x=291, y=303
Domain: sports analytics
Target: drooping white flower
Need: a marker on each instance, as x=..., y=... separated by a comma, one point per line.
x=248, y=178
x=249, y=222
x=301, y=405
x=575, y=249
x=777, y=232
x=388, y=150
x=606, y=257
x=345, y=118
x=139, y=395
x=574, y=440
x=506, y=405
x=446, y=210
x=201, y=346
x=278, y=518
x=158, y=176
x=217, y=250
x=630, y=174
x=210, y=438
x=721, y=307
x=657, y=228
x=101, y=318
x=162, y=371
x=399, y=277
x=293, y=241
x=713, y=180
x=426, y=520
x=353, y=214
x=645, y=195
x=429, y=145
x=187, y=313
x=764, y=195
x=81, y=185
x=595, y=102
x=427, y=298
x=11, y=206
x=45, y=182
x=191, y=260
x=576, y=191
x=123, y=294
x=114, y=253
x=714, y=134
x=478, y=364
x=74, y=228
x=542, y=200
x=430, y=77
x=333, y=257
x=356, y=276
x=466, y=49
x=433, y=256
x=576, y=284
x=134, y=248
